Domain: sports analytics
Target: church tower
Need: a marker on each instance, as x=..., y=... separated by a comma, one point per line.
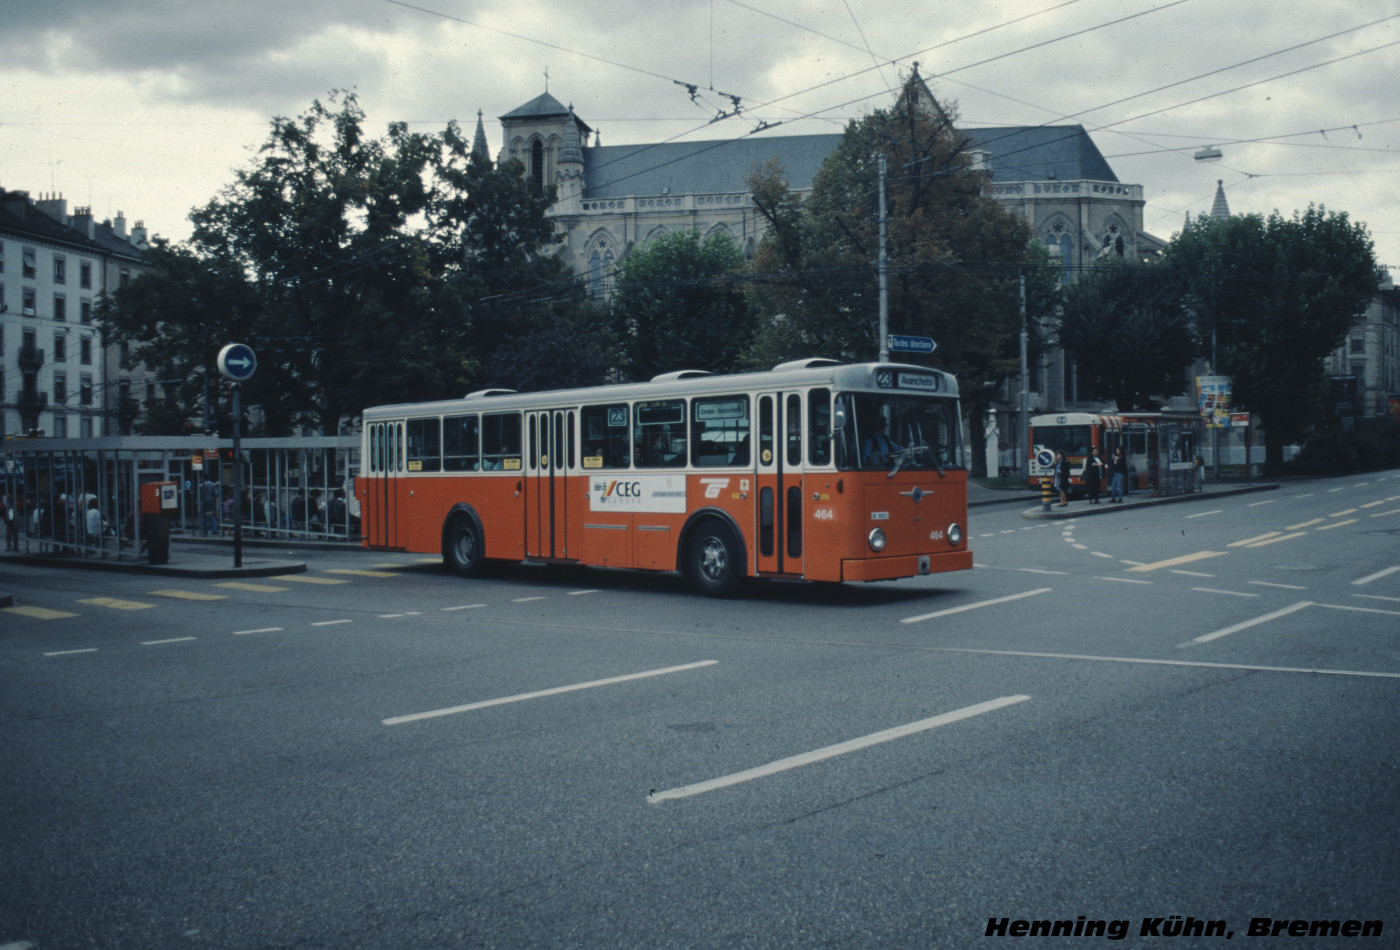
x=545, y=136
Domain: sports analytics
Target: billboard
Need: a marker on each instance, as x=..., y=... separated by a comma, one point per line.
x=1213, y=396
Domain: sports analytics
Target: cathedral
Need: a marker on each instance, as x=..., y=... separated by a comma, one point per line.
x=612, y=198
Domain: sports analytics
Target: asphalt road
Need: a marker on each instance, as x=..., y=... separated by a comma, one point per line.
x=1188, y=710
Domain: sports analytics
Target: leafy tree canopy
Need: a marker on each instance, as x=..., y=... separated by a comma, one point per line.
x=955, y=254
x=676, y=306
x=1130, y=336
x=1278, y=295
x=362, y=270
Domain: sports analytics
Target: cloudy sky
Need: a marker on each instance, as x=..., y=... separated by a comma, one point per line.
x=145, y=107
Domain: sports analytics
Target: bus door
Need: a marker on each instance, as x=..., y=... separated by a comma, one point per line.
x=546, y=496
x=380, y=518
x=1135, y=450
x=778, y=531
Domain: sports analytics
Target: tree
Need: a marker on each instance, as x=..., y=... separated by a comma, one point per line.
x=362, y=271
x=1130, y=336
x=955, y=254
x=1278, y=295
x=675, y=305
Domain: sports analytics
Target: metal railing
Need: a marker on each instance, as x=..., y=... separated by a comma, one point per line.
x=295, y=489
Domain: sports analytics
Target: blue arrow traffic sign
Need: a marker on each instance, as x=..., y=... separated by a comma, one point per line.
x=911, y=344
x=237, y=362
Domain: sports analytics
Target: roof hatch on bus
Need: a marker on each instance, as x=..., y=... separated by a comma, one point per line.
x=810, y=362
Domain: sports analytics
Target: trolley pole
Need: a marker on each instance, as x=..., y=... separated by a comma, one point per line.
x=884, y=274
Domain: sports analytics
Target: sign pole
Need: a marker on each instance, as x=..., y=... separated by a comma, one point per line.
x=237, y=363
x=238, y=476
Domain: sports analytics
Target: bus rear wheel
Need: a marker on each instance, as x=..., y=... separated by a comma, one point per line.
x=462, y=549
x=714, y=560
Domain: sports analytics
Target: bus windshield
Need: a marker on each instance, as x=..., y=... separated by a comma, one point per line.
x=891, y=433
x=1071, y=440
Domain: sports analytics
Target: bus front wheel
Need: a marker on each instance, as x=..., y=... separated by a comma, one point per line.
x=462, y=548
x=714, y=560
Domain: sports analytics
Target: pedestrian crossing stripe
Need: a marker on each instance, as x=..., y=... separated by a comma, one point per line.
x=116, y=604
x=303, y=579
x=187, y=595
x=256, y=588
x=38, y=613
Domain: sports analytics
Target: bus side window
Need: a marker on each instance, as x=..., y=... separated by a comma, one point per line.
x=424, y=445
x=719, y=431
x=765, y=430
x=461, y=451
x=819, y=427
x=605, y=440
x=500, y=441
x=794, y=429
x=660, y=434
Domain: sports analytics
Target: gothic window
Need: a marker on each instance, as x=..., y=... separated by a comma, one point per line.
x=1112, y=245
x=537, y=162
x=1058, y=238
x=600, y=268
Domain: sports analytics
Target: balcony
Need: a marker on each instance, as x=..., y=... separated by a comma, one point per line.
x=30, y=358
x=28, y=400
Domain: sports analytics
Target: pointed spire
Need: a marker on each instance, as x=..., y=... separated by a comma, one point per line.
x=571, y=151
x=479, y=147
x=1188, y=221
x=1220, y=209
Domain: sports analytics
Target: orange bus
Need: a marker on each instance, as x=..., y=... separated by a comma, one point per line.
x=1157, y=445
x=781, y=474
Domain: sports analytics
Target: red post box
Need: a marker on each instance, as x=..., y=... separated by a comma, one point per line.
x=159, y=502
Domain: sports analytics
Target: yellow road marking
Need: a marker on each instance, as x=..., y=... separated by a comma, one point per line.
x=1372, y=504
x=303, y=579
x=346, y=570
x=1173, y=562
x=1338, y=514
x=187, y=595
x=116, y=604
x=1305, y=524
x=1282, y=537
x=258, y=588
x=1337, y=524
x=1382, y=514
x=1240, y=544
x=38, y=613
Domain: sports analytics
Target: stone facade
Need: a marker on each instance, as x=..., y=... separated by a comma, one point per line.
x=614, y=198
x=56, y=375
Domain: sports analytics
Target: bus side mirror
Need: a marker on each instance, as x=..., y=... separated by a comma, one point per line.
x=838, y=419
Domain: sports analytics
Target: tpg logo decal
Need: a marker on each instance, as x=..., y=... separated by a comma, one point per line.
x=713, y=486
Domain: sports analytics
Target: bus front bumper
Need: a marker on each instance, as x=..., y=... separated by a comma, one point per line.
x=910, y=565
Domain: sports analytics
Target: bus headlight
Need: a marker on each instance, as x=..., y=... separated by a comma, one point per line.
x=954, y=534
x=877, y=539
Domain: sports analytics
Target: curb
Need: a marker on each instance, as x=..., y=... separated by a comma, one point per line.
x=257, y=567
x=1086, y=510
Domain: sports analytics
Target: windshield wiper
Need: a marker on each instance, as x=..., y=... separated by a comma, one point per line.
x=911, y=453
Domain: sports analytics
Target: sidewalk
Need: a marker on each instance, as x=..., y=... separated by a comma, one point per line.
x=188, y=558
x=1078, y=508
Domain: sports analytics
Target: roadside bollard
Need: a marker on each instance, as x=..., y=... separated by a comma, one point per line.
x=1045, y=493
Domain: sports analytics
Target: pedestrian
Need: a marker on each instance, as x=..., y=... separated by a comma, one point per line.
x=92, y=524
x=14, y=511
x=1118, y=469
x=209, y=507
x=1062, y=477
x=1199, y=466
x=1093, y=475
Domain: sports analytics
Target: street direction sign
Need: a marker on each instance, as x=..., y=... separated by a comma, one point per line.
x=237, y=362
x=911, y=344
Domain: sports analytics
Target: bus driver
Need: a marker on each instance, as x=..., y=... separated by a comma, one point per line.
x=877, y=449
